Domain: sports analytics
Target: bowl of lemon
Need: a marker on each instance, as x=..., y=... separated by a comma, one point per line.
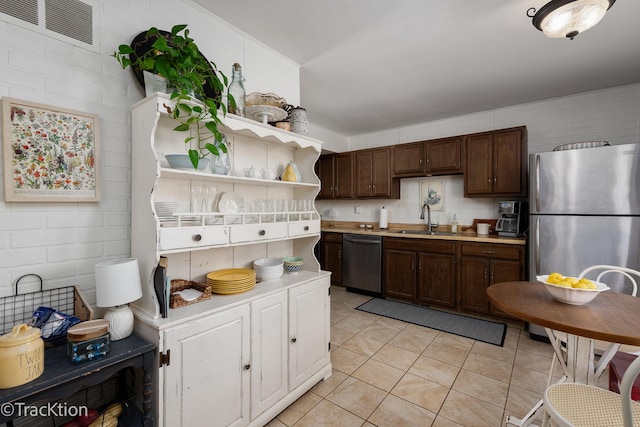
x=572, y=290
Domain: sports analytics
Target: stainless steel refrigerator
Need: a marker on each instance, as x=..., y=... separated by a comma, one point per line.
x=584, y=210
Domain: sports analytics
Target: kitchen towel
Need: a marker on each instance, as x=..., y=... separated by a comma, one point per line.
x=384, y=218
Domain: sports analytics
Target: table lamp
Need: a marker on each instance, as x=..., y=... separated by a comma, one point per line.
x=118, y=284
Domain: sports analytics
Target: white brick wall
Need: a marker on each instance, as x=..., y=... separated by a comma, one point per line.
x=63, y=241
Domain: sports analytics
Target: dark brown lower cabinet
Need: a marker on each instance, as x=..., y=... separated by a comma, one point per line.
x=331, y=256
x=420, y=271
x=482, y=265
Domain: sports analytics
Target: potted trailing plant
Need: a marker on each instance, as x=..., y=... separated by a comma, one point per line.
x=176, y=57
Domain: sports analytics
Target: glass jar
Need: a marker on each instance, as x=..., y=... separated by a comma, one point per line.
x=221, y=164
x=236, y=90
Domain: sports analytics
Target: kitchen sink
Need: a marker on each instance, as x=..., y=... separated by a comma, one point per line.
x=425, y=232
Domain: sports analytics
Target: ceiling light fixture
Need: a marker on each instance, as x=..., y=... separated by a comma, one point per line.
x=568, y=18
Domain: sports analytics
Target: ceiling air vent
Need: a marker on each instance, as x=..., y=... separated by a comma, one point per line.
x=71, y=21
x=25, y=10
x=71, y=18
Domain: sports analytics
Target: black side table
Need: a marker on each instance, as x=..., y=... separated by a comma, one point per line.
x=62, y=378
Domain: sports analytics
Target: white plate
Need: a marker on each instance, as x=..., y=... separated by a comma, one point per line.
x=231, y=203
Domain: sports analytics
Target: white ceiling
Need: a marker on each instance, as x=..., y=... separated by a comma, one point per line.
x=369, y=65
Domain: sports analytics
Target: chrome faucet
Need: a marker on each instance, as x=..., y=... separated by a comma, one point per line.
x=430, y=226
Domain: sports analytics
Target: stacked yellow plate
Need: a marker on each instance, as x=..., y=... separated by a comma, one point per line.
x=231, y=280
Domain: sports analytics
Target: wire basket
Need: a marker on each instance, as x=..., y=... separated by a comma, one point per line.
x=19, y=308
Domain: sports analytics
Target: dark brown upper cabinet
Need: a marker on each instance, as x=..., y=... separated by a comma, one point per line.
x=373, y=174
x=337, y=176
x=428, y=158
x=495, y=163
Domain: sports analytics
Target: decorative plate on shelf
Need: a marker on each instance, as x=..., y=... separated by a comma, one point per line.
x=256, y=98
x=231, y=203
x=265, y=113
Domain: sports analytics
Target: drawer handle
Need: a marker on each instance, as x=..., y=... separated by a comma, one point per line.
x=197, y=237
x=262, y=232
x=294, y=339
x=247, y=367
x=306, y=228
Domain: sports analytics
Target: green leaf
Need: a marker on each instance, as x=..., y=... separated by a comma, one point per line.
x=161, y=44
x=125, y=49
x=212, y=149
x=193, y=155
x=182, y=128
x=177, y=28
x=211, y=126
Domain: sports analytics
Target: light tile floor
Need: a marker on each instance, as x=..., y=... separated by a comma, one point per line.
x=391, y=373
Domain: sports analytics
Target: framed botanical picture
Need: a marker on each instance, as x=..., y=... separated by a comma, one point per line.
x=50, y=153
x=432, y=193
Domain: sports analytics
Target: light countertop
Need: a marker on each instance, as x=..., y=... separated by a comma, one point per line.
x=392, y=231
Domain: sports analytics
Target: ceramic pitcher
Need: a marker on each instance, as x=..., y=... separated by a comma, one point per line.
x=298, y=120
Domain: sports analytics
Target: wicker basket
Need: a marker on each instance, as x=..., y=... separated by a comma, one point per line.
x=176, y=301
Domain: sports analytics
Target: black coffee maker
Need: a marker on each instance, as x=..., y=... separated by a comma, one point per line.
x=513, y=218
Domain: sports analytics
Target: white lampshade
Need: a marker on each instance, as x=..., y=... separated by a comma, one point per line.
x=117, y=284
x=568, y=18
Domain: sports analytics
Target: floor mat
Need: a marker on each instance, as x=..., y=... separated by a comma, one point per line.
x=465, y=326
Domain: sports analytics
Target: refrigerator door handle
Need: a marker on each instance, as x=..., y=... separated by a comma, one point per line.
x=536, y=246
x=536, y=190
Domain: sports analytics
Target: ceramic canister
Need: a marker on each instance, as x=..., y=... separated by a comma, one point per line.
x=298, y=120
x=21, y=356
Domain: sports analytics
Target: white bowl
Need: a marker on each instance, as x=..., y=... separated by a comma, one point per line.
x=262, y=263
x=183, y=162
x=574, y=296
x=268, y=268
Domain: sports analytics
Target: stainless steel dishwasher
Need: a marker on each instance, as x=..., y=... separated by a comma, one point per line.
x=362, y=264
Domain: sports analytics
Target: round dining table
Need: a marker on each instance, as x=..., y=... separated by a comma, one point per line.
x=610, y=316
x=572, y=329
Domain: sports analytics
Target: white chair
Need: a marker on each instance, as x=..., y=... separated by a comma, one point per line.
x=579, y=405
x=607, y=350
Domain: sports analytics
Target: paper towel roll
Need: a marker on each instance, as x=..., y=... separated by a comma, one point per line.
x=384, y=218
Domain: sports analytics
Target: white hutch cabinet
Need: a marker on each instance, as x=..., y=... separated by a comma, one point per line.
x=240, y=359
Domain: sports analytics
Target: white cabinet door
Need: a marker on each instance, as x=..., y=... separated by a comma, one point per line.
x=308, y=330
x=268, y=352
x=207, y=380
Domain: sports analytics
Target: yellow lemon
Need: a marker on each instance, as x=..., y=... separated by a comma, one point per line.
x=554, y=276
x=564, y=283
x=580, y=285
x=553, y=281
x=571, y=280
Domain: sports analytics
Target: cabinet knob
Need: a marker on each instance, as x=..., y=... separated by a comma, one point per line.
x=495, y=180
x=247, y=367
x=262, y=232
x=294, y=339
x=489, y=180
x=197, y=237
x=306, y=228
